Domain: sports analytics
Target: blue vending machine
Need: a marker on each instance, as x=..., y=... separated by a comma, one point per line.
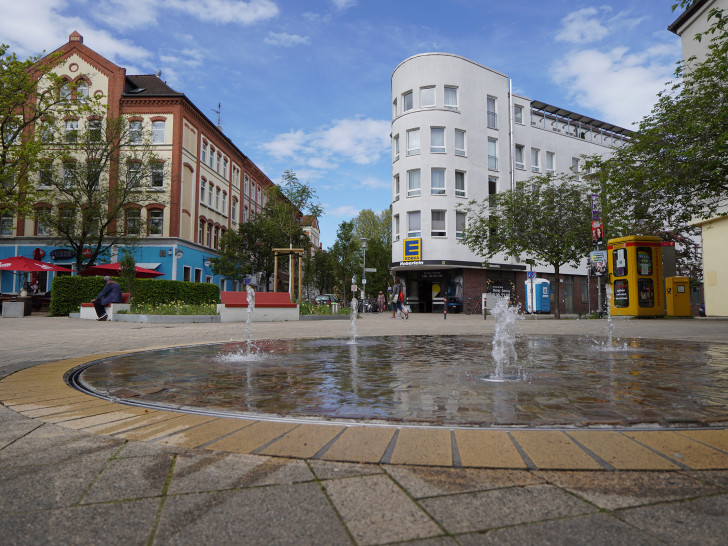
x=538, y=296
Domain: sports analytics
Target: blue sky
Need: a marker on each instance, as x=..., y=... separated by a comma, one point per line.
x=305, y=84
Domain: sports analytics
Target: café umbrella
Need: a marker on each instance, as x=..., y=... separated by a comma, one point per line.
x=113, y=270
x=21, y=263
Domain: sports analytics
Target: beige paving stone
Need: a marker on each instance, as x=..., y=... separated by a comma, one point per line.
x=621, y=452
x=360, y=445
x=64, y=408
x=103, y=418
x=553, y=450
x=487, y=449
x=151, y=416
x=164, y=428
x=207, y=432
x=683, y=449
x=80, y=413
x=423, y=446
x=251, y=438
x=303, y=442
x=714, y=438
x=43, y=401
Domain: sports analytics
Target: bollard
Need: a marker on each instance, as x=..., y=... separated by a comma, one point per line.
x=445, y=311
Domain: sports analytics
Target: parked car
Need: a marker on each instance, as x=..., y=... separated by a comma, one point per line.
x=326, y=299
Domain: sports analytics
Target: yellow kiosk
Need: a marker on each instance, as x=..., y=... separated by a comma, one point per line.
x=635, y=273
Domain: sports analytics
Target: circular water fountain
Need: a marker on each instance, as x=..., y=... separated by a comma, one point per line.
x=434, y=380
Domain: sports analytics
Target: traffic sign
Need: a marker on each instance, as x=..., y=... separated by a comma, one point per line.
x=370, y=269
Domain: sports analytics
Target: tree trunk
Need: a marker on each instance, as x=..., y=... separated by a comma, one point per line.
x=557, y=292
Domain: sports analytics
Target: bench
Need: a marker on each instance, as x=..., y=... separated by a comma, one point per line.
x=269, y=307
x=88, y=311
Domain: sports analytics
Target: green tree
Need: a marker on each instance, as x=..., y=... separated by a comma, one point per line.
x=30, y=92
x=320, y=271
x=346, y=253
x=674, y=169
x=103, y=173
x=377, y=228
x=547, y=219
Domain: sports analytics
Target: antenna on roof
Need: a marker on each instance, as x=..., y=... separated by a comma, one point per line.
x=219, y=109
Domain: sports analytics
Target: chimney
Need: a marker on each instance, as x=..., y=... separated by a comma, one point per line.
x=75, y=37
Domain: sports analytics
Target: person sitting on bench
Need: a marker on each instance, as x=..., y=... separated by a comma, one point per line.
x=110, y=294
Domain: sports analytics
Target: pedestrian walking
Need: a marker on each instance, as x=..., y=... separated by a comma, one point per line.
x=381, y=301
x=399, y=297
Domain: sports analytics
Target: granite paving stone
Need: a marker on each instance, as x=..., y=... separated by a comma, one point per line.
x=614, y=490
x=701, y=521
x=130, y=478
x=326, y=470
x=285, y=514
x=121, y=523
x=511, y=506
x=376, y=511
x=589, y=530
x=423, y=481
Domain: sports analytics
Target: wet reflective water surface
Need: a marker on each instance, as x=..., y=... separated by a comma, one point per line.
x=439, y=380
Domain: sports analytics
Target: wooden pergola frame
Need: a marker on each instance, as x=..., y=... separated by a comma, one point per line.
x=289, y=252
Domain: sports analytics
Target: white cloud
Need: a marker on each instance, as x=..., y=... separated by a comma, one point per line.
x=344, y=211
x=286, y=40
x=619, y=84
x=226, y=11
x=137, y=13
x=343, y=4
x=362, y=141
x=581, y=27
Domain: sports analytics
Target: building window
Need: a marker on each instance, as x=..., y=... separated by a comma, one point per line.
x=407, y=102
x=236, y=178
x=437, y=140
x=535, y=160
x=245, y=213
x=46, y=174
x=459, y=224
x=576, y=168
x=217, y=199
x=93, y=174
x=65, y=90
x=518, y=114
x=413, y=183
x=6, y=224
x=224, y=203
x=437, y=182
x=395, y=227
x=158, y=132
x=224, y=168
x=157, y=175
x=451, y=97
x=414, y=226
x=133, y=174
x=66, y=220
x=203, y=155
x=135, y=132
x=198, y=274
x=492, y=189
x=395, y=186
x=459, y=184
x=69, y=174
x=438, y=224
x=234, y=211
x=211, y=163
x=550, y=162
x=209, y=234
x=202, y=191
x=133, y=221
x=395, y=148
x=82, y=91
x=394, y=108
x=156, y=222
x=259, y=190
x=210, y=192
x=492, y=114
x=245, y=184
x=493, y=154
x=519, y=157
x=46, y=132
x=459, y=142
x=219, y=161
x=427, y=97
x=413, y=142
x=216, y=237
x=71, y=130
x=186, y=273
x=201, y=233
x=94, y=130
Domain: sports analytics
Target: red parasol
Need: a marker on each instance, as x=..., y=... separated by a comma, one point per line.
x=115, y=268
x=21, y=263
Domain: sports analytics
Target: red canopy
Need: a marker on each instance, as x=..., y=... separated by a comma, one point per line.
x=115, y=268
x=21, y=263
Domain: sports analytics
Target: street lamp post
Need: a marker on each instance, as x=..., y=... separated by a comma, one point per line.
x=364, y=244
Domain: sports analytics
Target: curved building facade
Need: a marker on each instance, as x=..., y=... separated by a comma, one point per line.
x=460, y=134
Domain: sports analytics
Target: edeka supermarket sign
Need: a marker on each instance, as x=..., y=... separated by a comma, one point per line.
x=412, y=249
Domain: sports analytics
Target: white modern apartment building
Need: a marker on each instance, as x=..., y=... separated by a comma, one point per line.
x=458, y=134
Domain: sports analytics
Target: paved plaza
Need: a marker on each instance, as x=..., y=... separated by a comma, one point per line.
x=78, y=470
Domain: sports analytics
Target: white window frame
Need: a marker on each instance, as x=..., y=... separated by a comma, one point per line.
x=203, y=188
x=159, y=129
x=460, y=192
x=437, y=173
x=71, y=132
x=492, y=154
x=428, y=97
x=135, y=131
x=458, y=216
x=438, y=232
x=550, y=162
x=414, y=191
x=411, y=149
x=410, y=216
x=435, y=134
x=492, y=111
x=203, y=153
x=518, y=114
x=156, y=175
x=460, y=150
x=395, y=188
x=234, y=210
x=395, y=148
x=156, y=221
x=395, y=227
x=576, y=167
x=518, y=157
x=453, y=91
x=535, y=160
x=408, y=97
x=394, y=108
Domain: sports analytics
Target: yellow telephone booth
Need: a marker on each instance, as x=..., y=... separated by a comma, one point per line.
x=677, y=296
x=635, y=273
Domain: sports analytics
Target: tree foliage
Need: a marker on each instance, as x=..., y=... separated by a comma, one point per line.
x=346, y=252
x=547, y=219
x=377, y=228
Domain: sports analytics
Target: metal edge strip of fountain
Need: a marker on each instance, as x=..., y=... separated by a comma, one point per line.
x=73, y=379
